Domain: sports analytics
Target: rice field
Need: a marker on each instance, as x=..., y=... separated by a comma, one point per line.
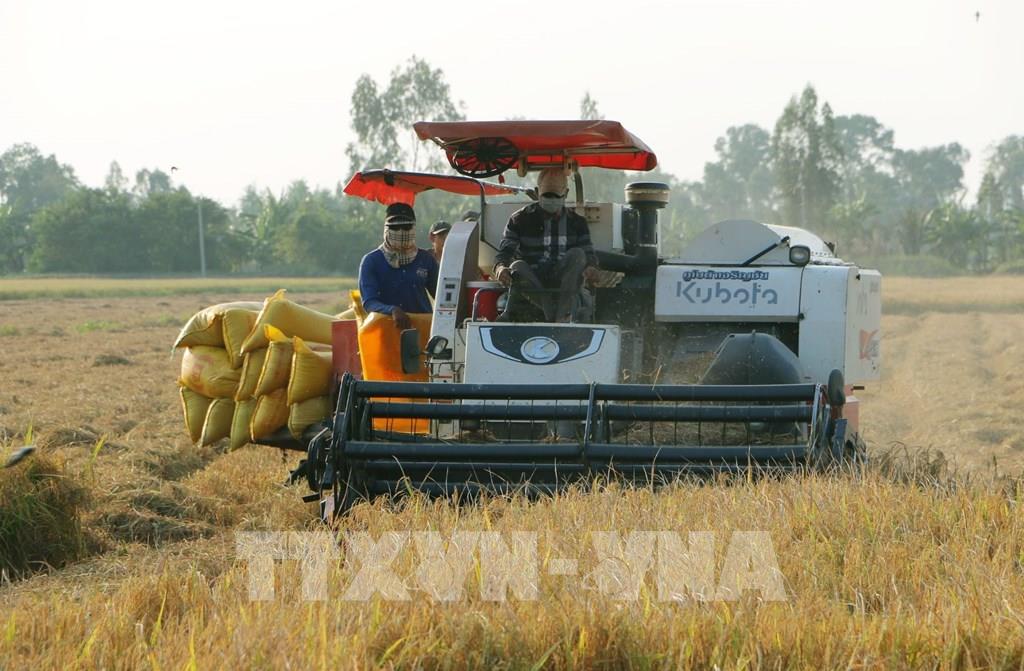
x=917, y=563
x=97, y=287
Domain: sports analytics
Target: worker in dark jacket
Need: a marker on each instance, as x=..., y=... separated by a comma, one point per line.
x=396, y=278
x=545, y=246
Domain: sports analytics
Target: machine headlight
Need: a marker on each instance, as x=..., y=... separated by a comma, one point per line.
x=799, y=255
x=438, y=348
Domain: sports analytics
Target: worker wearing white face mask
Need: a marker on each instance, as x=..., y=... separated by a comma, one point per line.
x=545, y=246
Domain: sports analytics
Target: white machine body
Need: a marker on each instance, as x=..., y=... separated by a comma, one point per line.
x=489, y=352
x=541, y=353
x=836, y=306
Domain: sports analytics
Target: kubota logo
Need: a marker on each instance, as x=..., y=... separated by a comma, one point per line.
x=753, y=295
x=742, y=275
x=539, y=349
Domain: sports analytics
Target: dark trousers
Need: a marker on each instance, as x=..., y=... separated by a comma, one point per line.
x=565, y=275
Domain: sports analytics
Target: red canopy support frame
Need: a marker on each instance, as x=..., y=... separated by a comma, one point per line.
x=487, y=148
x=396, y=186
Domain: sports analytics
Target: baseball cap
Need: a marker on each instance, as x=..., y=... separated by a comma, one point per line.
x=440, y=227
x=399, y=213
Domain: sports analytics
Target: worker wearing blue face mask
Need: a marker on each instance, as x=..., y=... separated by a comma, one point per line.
x=545, y=246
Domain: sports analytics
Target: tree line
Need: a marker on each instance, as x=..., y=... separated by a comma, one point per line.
x=842, y=176
x=51, y=223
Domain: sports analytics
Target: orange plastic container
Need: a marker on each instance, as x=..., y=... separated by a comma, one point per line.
x=380, y=352
x=345, y=348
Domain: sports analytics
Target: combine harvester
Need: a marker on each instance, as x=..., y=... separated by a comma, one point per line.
x=775, y=332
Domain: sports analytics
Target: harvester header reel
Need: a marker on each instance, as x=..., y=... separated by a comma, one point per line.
x=637, y=432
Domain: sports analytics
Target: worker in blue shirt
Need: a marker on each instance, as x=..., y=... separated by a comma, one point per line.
x=395, y=278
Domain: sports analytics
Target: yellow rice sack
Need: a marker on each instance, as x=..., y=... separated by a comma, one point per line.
x=236, y=325
x=277, y=365
x=240, y=421
x=208, y=371
x=290, y=318
x=302, y=415
x=270, y=415
x=218, y=421
x=251, y=370
x=205, y=327
x=310, y=374
x=194, y=406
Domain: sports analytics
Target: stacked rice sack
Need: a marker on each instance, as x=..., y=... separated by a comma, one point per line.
x=249, y=370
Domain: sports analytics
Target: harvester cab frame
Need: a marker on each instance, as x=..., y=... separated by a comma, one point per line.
x=772, y=332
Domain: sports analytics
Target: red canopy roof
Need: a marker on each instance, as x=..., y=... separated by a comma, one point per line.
x=391, y=186
x=598, y=144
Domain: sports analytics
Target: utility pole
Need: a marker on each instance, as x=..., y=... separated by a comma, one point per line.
x=202, y=242
x=202, y=236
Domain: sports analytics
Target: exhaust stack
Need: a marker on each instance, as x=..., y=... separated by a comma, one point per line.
x=640, y=230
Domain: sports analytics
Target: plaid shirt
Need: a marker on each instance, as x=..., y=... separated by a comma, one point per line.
x=541, y=239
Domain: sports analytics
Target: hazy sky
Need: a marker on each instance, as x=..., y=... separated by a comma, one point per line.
x=247, y=92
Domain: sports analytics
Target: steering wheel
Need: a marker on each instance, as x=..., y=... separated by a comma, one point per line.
x=483, y=157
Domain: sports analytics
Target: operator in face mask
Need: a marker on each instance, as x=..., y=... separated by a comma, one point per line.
x=396, y=277
x=545, y=246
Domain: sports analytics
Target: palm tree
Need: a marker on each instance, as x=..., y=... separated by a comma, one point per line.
x=959, y=233
x=262, y=216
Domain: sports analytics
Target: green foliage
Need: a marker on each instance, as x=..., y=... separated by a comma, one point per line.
x=740, y=184
x=1015, y=267
x=851, y=218
x=29, y=181
x=842, y=177
x=107, y=231
x=149, y=182
x=304, y=231
x=89, y=231
x=115, y=181
x=1001, y=200
x=260, y=217
x=960, y=233
x=383, y=120
x=168, y=226
x=807, y=159
x=869, y=184
x=910, y=231
x=930, y=177
x=1005, y=171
